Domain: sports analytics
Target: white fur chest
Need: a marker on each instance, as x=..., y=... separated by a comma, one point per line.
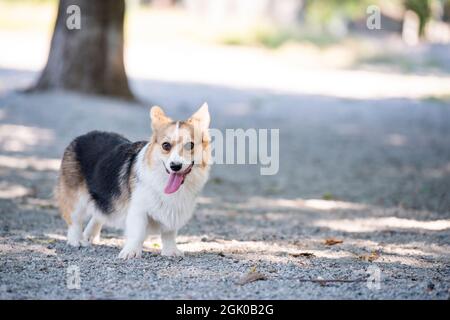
x=174, y=210
x=171, y=211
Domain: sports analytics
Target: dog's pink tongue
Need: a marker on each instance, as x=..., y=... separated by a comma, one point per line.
x=174, y=183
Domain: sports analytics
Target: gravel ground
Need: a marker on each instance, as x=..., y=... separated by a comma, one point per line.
x=374, y=174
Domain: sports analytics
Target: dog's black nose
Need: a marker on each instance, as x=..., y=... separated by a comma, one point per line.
x=176, y=166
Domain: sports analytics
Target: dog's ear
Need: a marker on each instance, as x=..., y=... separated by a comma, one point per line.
x=158, y=118
x=201, y=118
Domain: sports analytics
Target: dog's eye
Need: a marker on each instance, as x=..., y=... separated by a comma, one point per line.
x=189, y=146
x=166, y=146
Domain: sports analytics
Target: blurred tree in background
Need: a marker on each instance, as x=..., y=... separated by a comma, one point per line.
x=89, y=59
x=446, y=13
x=422, y=9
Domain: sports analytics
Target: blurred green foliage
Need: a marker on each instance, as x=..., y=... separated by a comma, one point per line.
x=273, y=38
x=322, y=11
x=328, y=196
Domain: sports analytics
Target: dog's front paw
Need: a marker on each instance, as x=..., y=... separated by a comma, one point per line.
x=74, y=237
x=85, y=243
x=88, y=240
x=172, y=252
x=130, y=252
x=74, y=242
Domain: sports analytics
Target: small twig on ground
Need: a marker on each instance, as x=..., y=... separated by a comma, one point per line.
x=332, y=242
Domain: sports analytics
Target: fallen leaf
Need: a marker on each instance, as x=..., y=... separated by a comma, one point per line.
x=251, y=277
x=302, y=254
x=374, y=255
x=332, y=242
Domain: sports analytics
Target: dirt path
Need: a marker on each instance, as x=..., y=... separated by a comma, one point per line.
x=382, y=165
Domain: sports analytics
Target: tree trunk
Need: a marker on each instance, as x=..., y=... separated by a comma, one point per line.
x=89, y=59
x=446, y=14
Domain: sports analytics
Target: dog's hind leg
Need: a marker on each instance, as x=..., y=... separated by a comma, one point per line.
x=75, y=229
x=72, y=196
x=92, y=231
x=72, y=204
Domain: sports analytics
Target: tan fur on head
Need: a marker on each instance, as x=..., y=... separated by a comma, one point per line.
x=159, y=118
x=194, y=129
x=201, y=118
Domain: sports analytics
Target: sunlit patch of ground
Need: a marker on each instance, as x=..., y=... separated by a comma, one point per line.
x=8, y=191
x=315, y=204
x=29, y=162
x=373, y=224
x=20, y=138
x=24, y=248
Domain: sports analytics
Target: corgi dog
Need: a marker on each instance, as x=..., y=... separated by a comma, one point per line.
x=147, y=187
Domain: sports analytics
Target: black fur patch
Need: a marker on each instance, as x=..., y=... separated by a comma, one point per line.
x=103, y=158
